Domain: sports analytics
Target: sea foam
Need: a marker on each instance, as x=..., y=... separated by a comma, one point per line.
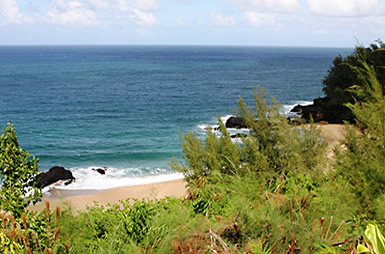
x=213, y=124
x=88, y=179
x=287, y=107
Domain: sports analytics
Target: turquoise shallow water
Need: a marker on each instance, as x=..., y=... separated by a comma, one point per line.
x=123, y=106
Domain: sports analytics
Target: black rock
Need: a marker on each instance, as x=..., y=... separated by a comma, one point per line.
x=239, y=135
x=235, y=122
x=101, y=171
x=297, y=109
x=53, y=175
x=324, y=110
x=318, y=111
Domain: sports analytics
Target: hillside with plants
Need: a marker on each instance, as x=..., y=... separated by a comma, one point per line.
x=274, y=192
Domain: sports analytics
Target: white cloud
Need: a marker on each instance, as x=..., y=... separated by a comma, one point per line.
x=142, y=17
x=10, y=10
x=343, y=7
x=268, y=5
x=92, y=12
x=138, y=11
x=143, y=5
x=98, y=4
x=260, y=19
x=222, y=20
x=266, y=12
x=71, y=13
x=146, y=5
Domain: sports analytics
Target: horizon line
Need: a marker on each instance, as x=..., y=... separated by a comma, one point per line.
x=170, y=45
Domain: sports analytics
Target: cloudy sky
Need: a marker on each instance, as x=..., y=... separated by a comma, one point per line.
x=333, y=23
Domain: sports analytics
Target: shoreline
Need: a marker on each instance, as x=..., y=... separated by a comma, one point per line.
x=57, y=194
x=81, y=199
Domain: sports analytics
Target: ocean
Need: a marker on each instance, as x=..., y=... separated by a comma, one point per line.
x=124, y=107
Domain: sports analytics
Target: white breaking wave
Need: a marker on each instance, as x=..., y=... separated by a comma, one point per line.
x=286, y=108
x=213, y=124
x=88, y=179
x=225, y=118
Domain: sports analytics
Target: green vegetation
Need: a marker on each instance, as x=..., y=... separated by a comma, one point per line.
x=274, y=192
x=375, y=241
x=362, y=162
x=342, y=75
x=16, y=171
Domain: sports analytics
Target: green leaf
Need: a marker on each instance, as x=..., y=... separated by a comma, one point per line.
x=362, y=249
x=16, y=170
x=374, y=236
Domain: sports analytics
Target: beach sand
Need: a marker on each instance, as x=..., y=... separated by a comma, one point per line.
x=333, y=135
x=80, y=199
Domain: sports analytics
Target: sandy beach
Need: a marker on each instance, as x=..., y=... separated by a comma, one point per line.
x=333, y=135
x=80, y=199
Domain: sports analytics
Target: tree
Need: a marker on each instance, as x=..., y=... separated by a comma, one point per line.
x=362, y=162
x=341, y=76
x=272, y=149
x=17, y=171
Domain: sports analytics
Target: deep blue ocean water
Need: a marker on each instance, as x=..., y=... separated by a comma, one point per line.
x=123, y=106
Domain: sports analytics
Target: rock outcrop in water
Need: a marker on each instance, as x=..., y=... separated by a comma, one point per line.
x=322, y=110
x=53, y=175
x=239, y=135
x=315, y=111
x=101, y=171
x=235, y=122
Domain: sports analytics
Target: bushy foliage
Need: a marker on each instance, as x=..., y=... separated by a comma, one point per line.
x=279, y=191
x=22, y=231
x=278, y=146
x=362, y=162
x=277, y=186
x=132, y=226
x=32, y=233
x=342, y=76
x=272, y=149
x=17, y=170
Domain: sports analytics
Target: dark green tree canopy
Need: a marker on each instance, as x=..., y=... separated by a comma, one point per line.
x=341, y=77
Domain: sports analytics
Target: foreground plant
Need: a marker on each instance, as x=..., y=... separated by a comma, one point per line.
x=30, y=234
x=17, y=170
x=374, y=241
x=362, y=162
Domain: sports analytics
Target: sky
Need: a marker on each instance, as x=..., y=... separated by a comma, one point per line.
x=313, y=23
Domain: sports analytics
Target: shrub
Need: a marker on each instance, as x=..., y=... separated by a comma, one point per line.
x=17, y=170
x=34, y=234
x=362, y=163
x=342, y=76
x=272, y=149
